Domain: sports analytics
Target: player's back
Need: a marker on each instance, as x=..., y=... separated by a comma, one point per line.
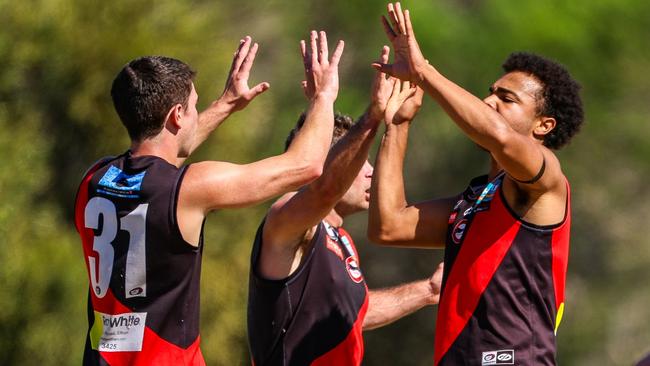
x=144, y=278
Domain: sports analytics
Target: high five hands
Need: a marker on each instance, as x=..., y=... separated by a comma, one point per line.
x=409, y=62
x=237, y=94
x=321, y=74
x=393, y=100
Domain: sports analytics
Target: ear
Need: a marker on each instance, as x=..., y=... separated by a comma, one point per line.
x=544, y=126
x=174, y=118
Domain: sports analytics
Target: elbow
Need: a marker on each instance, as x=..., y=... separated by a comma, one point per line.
x=379, y=234
x=501, y=137
x=308, y=172
x=313, y=171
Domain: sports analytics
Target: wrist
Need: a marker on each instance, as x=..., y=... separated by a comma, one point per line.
x=421, y=70
x=223, y=105
x=324, y=97
x=373, y=113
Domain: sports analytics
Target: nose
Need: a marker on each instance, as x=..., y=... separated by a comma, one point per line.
x=491, y=100
x=369, y=170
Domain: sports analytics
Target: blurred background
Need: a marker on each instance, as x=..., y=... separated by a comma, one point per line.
x=58, y=59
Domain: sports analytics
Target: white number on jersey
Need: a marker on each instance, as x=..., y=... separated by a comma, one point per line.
x=134, y=223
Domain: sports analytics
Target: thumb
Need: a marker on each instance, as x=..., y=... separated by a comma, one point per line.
x=257, y=90
x=382, y=67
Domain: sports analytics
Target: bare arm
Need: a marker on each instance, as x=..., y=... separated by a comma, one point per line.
x=392, y=220
x=390, y=304
x=289, y=219
x=211, y=185
x=520, y=156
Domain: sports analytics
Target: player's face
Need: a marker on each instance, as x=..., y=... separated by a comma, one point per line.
x=357, y=198
x=515, y=96
x=190, y=123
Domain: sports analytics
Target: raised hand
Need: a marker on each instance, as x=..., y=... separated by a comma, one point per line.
x=404, y=103
x=409, y=61
x=382, y=87
x=321, y=74
x=237, y=94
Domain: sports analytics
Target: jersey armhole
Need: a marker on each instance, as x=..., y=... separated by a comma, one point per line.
x=174, y=212
x=93, y=168
x=257, y=250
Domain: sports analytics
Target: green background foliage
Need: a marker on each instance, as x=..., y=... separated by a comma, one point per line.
x=58, y=58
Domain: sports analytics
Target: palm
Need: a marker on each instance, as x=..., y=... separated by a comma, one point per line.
x=237, y=93
x=409, y=107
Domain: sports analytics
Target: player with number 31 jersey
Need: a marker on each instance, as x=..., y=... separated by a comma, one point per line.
x=125, y=212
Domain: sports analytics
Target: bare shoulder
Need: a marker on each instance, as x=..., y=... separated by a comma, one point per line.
x=544, y=201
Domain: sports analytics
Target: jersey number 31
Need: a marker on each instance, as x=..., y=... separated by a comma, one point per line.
x=135, y=275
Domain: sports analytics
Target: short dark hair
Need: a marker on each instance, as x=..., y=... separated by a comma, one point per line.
x=560, y=97
x=144, y=91
x=342, y=124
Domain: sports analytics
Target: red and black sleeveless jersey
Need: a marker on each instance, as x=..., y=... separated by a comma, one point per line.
x=314, y=316
x=143, y=306
x=503, y=284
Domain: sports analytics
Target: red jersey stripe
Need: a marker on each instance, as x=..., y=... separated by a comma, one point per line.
x=484, y=247
x=350, y=351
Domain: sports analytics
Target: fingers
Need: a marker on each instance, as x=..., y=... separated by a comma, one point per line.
x=408, y=90
x=383, y=57
x=388, y=29
x=248, y=62
x=392, y=16
x=303, y=49
x=241, y=54
x=400, y=18
x=397, y=86
x=314, y=49
x=336, y=56
x=409, y=26
x=322, y=53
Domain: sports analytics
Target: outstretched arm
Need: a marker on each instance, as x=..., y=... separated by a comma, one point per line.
x=210, y=185
x=236, y=94
x=392, y=220
x=390, y=304
x=290, y=219
x=521, y=157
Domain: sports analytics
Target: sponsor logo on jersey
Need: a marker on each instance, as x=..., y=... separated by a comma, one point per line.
x=352, y=265
x=118, y=332
x=458, y=231
x=502, y=357
x=117, y=183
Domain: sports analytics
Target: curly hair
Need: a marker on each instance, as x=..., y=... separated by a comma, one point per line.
x=560, y=96
x=342, y=124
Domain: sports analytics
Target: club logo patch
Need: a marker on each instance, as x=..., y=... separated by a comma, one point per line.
x=354, y=271
x=458, y=231
x=502, y=357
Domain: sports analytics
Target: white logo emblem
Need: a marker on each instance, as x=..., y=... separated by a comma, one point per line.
x=459, y=231
x=502, y=357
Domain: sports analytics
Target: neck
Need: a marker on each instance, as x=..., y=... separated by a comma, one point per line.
x=494, y=168
x=334, y=219
x=155, y=147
